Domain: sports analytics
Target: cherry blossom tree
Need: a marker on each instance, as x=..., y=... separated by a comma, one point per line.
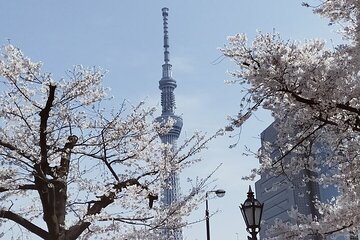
x=73, y=170
x=313, y=92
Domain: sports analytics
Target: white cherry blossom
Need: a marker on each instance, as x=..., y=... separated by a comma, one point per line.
x=313, y=93
x=72, y=169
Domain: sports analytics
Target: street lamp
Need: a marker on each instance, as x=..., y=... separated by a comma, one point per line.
x=219, y=193
x=252, y=211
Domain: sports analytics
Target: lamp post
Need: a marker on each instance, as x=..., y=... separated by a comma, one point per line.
x=219, y=193
x=252, y=211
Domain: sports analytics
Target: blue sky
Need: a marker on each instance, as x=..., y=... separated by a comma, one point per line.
x=125, y=38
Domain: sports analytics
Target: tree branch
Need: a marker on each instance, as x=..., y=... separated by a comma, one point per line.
x=298, y=144
x=339, y=229
x=104, y=201
x=132, y=221
x=105, y=157
x=21, y=187
x=313, y=102
x=25, y=223
x=44, y=116
x=11, y=147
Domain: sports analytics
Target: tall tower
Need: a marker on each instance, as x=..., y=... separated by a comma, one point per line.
x=167, y=85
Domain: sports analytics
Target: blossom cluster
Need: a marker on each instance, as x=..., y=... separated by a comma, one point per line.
x=313, y=93
x=88, y=170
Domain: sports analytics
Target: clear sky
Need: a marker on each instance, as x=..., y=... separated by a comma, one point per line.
x=125, y=38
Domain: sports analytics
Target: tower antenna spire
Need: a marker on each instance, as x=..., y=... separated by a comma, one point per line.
x=166, y=66
x=166, y=35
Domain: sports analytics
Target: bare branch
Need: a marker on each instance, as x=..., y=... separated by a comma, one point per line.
x=25, y=223
x=11, y=147
x=21, y=187
x=339, y=229
x=104, y=201
x=105, y=157
x=44, y=115
x=298, y=143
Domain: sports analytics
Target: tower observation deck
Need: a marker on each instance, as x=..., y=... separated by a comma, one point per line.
x=167, y=85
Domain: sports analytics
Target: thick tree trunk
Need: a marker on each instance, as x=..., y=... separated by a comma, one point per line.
x=60, y=207
x=51, y=182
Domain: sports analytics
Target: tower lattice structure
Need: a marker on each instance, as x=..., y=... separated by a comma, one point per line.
x=167, y=85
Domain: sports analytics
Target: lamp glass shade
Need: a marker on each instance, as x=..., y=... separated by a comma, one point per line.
x=252, y=211
x=257, y=215
x=249, y=215
x=220, y=192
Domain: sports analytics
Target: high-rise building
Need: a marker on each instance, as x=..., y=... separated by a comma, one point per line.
x=279, y=195
x=167, y=85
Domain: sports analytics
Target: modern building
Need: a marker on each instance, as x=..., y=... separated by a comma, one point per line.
x=167, y=85
x=279, y=195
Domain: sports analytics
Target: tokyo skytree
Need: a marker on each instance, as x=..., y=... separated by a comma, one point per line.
x=167, y=85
